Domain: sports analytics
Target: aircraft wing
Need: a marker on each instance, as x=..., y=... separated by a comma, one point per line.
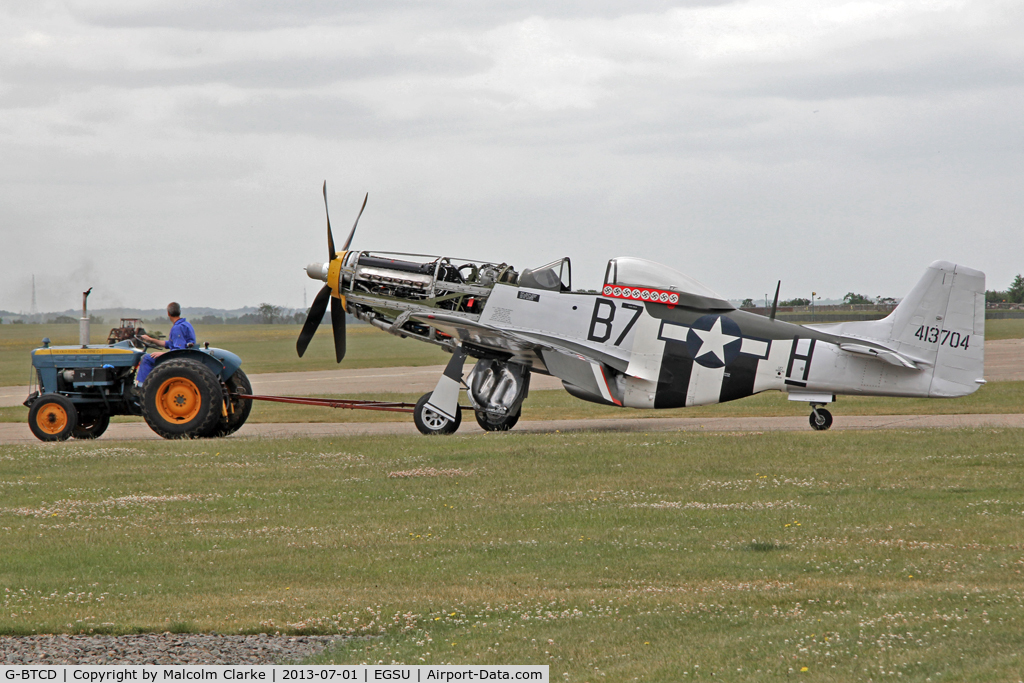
x=517, y=341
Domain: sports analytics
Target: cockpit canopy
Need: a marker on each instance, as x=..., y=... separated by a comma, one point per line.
x=555, y=276
x=638, y=272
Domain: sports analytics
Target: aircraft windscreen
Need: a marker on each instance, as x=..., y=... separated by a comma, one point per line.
x=627, y=270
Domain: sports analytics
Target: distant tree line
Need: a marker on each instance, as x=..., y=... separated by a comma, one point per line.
x=266, y=314
x=1013, y=295
x=851, y=298
x=68, y=320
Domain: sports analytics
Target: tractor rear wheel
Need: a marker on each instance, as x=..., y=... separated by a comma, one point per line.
x=91, y=425
x=52, y=417
x=239, y=409
x=181, y=399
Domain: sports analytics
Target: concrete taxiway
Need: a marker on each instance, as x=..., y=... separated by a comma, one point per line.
x=15, y=433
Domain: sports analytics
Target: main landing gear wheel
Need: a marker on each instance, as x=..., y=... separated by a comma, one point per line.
x=820, y=419
x=91, y=425
x=52, y=417
x=430, y=422
x=181, y=399
x=496, y=423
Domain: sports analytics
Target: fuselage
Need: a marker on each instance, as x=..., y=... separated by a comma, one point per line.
x=668, y=341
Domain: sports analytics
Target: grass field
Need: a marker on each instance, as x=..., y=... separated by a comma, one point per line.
x=668, y=557
x=271, y=348
x=263, y=348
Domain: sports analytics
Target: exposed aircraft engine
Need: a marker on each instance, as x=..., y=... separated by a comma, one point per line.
x=382, y=289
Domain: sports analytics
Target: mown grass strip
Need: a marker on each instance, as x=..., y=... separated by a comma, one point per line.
x=607, y=556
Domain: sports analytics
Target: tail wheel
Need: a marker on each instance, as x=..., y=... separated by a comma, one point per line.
x=239, y=409
x=431, y=422
x=52, y=417
x=497, y=423
x=181, y=399
x=91, y=425
x=820, y=419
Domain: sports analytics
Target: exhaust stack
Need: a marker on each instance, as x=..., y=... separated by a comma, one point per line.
x=83, y=323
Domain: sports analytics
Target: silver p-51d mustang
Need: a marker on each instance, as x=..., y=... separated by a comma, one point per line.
x=651, y=338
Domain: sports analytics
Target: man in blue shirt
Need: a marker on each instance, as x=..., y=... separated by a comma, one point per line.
x=182, y=336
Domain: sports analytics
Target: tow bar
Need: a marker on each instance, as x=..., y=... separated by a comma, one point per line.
x=351, y=404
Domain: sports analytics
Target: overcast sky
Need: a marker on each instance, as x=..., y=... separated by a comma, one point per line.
x=159, y=150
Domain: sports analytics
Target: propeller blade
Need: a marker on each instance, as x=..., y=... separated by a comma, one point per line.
x=351, y=234
x=338, y=327
x=316, y=314
x=330, y=237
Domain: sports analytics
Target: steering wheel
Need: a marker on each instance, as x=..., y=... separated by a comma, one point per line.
x=140, y=343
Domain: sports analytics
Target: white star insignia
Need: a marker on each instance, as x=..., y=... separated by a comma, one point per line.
x=713, y=341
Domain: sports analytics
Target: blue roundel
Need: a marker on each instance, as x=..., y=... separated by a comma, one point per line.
x=714, y=341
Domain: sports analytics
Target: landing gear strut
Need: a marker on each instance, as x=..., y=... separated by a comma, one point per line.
x=820, y=418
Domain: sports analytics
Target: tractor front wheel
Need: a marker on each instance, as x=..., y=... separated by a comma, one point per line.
x=181, y=399
x=52, y=417
x=91, y=425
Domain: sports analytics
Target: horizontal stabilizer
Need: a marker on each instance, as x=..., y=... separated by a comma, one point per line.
x=888, y=355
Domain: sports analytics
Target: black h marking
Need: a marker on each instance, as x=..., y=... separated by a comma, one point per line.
x=794, y=356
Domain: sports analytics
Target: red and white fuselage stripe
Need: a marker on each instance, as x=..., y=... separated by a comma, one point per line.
x=602, y=383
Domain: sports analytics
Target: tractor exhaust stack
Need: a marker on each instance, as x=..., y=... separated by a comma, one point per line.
x=83, y=323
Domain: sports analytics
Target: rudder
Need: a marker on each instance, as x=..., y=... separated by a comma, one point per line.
x=960, y=361
x=942, y=321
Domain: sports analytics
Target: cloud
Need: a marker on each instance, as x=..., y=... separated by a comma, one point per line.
x=733, y=140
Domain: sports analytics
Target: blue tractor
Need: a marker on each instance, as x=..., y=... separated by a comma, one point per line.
x=190, y=393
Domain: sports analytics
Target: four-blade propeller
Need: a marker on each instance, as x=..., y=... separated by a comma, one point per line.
x=327, y=293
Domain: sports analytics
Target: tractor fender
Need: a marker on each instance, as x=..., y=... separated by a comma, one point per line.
x=231, y=361
x=222, y=363
x=215, y=365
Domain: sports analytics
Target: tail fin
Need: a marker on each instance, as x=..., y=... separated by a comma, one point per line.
x=941, y=322
x=960, y=342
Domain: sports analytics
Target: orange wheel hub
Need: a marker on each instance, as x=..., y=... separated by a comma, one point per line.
x=52, y=418
x=178, y=400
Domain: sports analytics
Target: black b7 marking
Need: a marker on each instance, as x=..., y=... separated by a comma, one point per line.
x=636, y=316
x=596, y=320
x=934, y=335
x=600, y=319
